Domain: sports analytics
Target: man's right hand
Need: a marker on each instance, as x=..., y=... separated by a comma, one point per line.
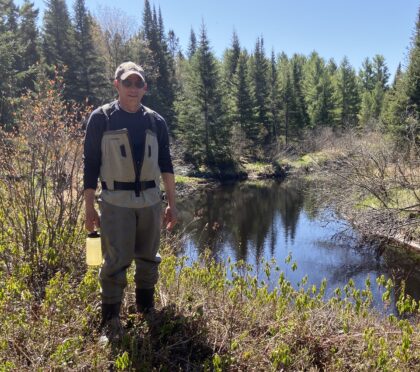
x=92, y=222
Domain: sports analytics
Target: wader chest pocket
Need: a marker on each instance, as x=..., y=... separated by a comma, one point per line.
x=123, y=153
x=150, y=151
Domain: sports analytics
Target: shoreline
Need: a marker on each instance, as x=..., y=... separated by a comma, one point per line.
x=185, y=188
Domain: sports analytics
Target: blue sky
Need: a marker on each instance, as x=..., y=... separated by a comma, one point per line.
x=334, y=28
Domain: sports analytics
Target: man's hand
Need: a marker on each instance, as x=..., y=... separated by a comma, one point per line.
x=170, y=217
x=92, y=222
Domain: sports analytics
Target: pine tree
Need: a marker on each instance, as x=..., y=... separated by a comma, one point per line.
x=192, y=45
x=318, y=92
x=366, y=76
x=58, y=43
x=299, y=118
x=347, y=94
x=161, y=84
x=402, y=108
x=286, y=95
x=10, y=53
x=259, y=71
x=231, y=57
x=91, y=82
x=28, y=37
x=244, y=108
x=375, y=77
x=200, y=114
x=229, y=65
x=173, y=44
x=413, y=74
x=274, y=97
x=380, y=72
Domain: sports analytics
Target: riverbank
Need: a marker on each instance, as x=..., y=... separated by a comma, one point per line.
x=376, y=192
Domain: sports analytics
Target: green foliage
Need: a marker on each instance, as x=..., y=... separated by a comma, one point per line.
x=41, y=198
x=91, y=82
x=200, y=111
x=58, y=43
x=319, y=92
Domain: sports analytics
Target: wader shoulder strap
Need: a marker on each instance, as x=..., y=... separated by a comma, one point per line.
x=151, y=115
x=105, y=110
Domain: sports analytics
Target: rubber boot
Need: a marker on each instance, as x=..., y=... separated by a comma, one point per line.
x=145, y=300
x=111, y=327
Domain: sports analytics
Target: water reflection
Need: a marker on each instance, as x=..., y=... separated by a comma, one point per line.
x=263, y=220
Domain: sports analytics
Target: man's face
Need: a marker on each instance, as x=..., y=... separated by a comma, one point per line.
x=131, y=90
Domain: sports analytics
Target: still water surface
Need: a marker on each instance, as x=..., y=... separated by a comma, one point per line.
x=260, y=221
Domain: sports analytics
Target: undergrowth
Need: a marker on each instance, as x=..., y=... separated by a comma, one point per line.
x=211, y=316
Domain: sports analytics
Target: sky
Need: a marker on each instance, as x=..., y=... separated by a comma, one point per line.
x=334, y=28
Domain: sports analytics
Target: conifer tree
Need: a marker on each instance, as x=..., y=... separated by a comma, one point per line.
x=229, y=64
x=245, y=110
x=29, y=40
x=347, y=94
x=192, y=45
x=286, y=95
x=91, y=81
x=374, y=77
x=366, y=75
x=161, y=84
x=402, y=107
x=231, y=57
x=413, y=74
x=259, y=71
x=200, y=114
x=318, y=92
x=58, y=43
x=10, y=52
x=299, y=119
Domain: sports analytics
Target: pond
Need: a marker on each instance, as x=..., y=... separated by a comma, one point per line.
x=263, y=220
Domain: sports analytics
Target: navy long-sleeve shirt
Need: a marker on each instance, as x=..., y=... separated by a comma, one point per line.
x=136, y=124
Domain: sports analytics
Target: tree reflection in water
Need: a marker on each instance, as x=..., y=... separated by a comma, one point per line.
x=256, y=221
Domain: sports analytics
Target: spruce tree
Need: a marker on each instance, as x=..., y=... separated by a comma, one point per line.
x=412, y=85
x=161, y=84
x=274, y=97
x=366, y=75
x=299, y=118
x=58, y=43
x=10, y=53
x=192, y=45
x=259, y=72
x=319, y=92
x=347, y=94
x=202, y=125
x=286, y=95
x=91, y=82
x=245, y=106
x=28, y=37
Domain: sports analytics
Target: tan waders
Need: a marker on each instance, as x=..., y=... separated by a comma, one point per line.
x=128, y=234
x=130, y=220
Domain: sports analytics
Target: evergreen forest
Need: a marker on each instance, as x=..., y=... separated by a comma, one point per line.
x=247, y=104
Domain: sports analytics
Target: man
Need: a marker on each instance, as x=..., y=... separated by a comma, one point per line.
x=127, y=147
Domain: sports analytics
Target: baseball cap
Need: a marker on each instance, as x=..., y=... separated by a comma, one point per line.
x=124, y=70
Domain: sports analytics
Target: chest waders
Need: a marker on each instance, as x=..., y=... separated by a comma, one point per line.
x=130, y=214
x=120, y=172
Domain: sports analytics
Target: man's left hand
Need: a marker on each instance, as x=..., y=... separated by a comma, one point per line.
x=170, y=217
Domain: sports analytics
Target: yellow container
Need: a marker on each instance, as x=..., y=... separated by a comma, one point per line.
x=93, y=249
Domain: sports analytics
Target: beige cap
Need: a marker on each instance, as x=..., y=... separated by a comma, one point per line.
x=124, y=70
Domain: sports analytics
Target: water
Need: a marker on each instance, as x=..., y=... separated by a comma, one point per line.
x=264, y=220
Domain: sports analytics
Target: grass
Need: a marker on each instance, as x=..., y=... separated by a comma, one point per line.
x=185, y=180
x=211, y=316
